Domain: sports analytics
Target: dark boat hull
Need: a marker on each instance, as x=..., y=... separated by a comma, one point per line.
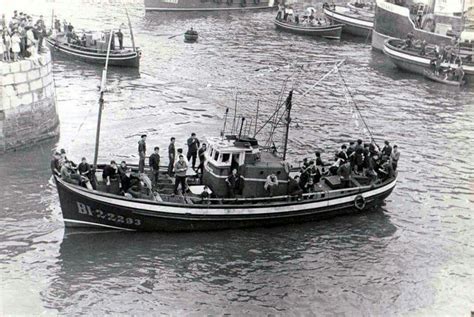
x=329, y=32
x=190, y=38
x=130, y=59
x=207, y=5
x=352, y=25
x=84, y=208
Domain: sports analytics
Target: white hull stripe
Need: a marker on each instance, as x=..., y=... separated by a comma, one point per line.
x=309, y=29
x=346, y=19
x=96, y=224
x=188, y=209
x=207, y=9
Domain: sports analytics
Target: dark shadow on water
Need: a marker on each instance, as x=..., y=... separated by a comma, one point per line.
x=222, y=253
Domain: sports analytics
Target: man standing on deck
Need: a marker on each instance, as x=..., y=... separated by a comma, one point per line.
x=120, y=38
x=171, y=156
x=180, y=169
x=142, y=153
x=193, y=146
x=155, y=165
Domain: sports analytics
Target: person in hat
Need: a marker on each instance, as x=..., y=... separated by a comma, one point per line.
x=193, y=147
x=344, y=172
x=142, y=153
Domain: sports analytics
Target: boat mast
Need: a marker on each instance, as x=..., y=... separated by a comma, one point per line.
x=131, y=31
x=288, y=120
x=101, y=100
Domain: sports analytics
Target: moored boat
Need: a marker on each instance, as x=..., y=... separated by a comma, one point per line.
x=411, y=60
x=358, y=23
x=426, y=21
x=328, y=31
x=208, y=5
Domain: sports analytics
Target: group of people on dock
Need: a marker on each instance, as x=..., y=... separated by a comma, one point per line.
x=21, y=37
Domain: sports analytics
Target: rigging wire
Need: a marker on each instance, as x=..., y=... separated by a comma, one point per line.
x=357, y=107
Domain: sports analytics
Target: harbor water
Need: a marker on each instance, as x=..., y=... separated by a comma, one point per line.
x=413, y=256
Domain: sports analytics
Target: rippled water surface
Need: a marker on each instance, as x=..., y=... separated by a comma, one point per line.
x=412, y=257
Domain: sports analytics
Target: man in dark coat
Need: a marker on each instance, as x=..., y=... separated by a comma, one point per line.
x=234, y=184
x=154, y=162
x=171, y=156
x=142, y=153
x=193, y=146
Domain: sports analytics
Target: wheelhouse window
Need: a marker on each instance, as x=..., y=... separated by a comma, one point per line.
x=216, y=155
x=226, y=157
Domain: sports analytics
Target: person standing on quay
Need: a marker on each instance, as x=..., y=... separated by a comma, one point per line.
x=142, y=153
x=193, y=147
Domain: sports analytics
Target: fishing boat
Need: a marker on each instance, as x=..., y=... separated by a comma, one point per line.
x=265, y=195
x=411, y=60
x=191, y=36
x=92, y=47
x=435, y=21
x=356, y=22
x=328, y=31
x=442, y=80
x=208, y=5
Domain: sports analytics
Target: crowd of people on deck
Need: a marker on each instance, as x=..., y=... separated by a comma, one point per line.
x=444, y=54
x=21, y=37
x=67, y=29
x=357, y=159
x=310, y=18
x=119, y=178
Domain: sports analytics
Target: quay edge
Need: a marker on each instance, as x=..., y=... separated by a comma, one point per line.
x=28, y=112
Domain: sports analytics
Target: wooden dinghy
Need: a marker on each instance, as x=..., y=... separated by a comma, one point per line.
x=191, y=36
x=329, y=31
x=432, y=76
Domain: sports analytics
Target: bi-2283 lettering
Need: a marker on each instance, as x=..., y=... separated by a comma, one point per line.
x=84, y=209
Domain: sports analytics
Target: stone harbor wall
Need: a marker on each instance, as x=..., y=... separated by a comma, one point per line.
x=28, y=103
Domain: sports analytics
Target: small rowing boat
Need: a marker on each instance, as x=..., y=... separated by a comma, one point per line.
x=191, y=36
x=328, y=31
x=432, y=76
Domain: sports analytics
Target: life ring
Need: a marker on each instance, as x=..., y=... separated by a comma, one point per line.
x=230, y=2
x=359, y=202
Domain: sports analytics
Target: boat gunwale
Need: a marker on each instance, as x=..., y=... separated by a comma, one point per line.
x=281, y=203
x=312, y=29
x=351, y=17
x=72, y=50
